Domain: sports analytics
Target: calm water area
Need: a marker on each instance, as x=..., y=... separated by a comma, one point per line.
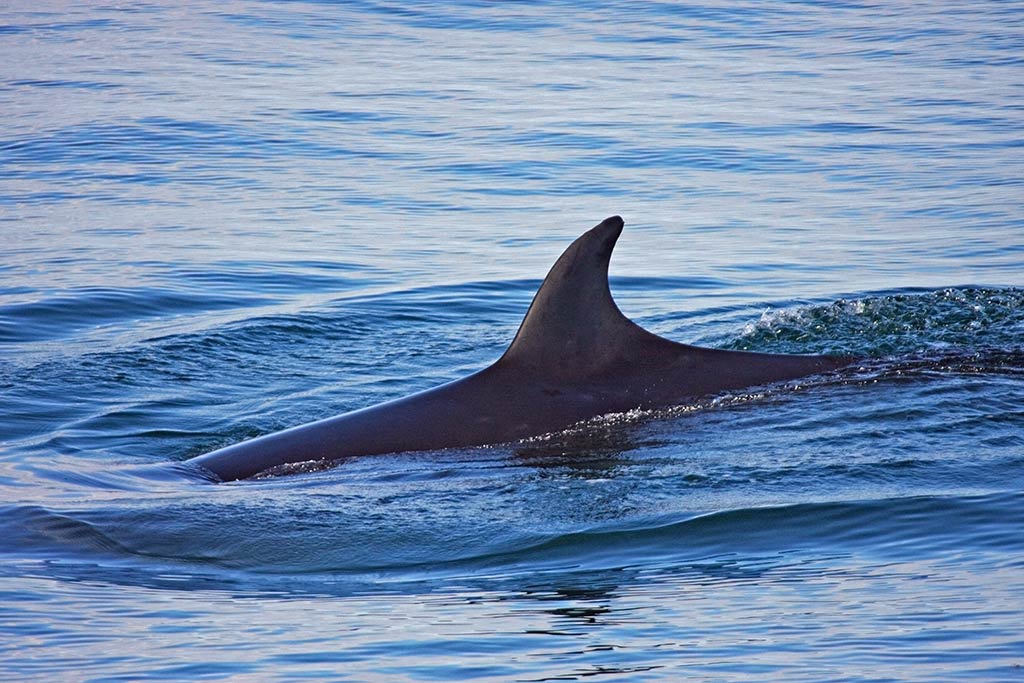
x=221, y=219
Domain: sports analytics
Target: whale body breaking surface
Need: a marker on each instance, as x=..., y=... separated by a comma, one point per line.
x=575, y=357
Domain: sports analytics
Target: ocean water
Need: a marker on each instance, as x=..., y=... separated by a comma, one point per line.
x=220, y=219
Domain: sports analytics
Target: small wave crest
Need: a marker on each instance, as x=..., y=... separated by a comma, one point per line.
x=897, y=323
x=757, y=538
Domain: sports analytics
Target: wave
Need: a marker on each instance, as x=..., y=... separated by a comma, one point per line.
x=93, y=307
x=920, y=525
x=750, y=539
x=903, y=322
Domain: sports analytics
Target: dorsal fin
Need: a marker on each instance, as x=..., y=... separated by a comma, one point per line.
x=573, y=329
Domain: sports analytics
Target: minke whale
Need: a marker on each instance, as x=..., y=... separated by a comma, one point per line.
x=575, y=357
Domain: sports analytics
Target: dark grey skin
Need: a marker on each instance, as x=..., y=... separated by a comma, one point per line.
x=575, y=357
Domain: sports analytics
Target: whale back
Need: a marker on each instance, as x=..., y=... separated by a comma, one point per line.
x=575, y=356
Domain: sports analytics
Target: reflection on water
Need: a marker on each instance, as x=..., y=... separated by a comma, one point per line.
x=828, y=617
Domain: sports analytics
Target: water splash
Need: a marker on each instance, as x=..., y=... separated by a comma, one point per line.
x=900, y=323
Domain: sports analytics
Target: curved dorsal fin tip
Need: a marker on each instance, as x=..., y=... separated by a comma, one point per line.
x=573, y=323
x=594, y=246
x=611, y=228
x=615, y=221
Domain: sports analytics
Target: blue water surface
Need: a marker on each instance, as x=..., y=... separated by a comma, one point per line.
x=221, y=219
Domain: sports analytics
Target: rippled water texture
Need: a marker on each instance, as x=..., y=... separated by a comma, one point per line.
x=221, y=219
